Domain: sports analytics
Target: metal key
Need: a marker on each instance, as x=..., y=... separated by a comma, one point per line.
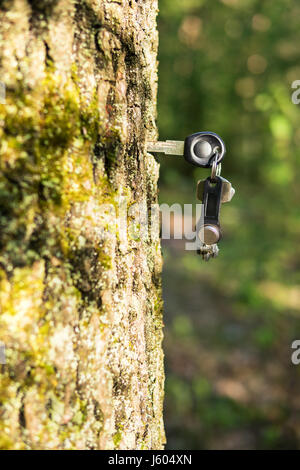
x=206, y=150
x=227, y=190
x=169, y=147
x=198, y=149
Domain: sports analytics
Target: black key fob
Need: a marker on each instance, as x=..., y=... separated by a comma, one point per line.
x=201, y=148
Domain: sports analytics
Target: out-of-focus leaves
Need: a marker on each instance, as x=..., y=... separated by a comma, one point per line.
x=228, y=67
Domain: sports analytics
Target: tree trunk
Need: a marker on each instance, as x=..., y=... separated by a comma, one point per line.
x=81, y=316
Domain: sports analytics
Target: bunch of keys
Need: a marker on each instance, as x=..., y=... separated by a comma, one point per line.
x=205, y=150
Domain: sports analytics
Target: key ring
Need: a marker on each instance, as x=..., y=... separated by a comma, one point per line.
x=215, y=169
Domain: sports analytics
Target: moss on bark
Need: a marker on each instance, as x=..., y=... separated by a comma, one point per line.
x=81, y=313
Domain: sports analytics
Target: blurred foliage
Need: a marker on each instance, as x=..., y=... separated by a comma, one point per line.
x=228, y=66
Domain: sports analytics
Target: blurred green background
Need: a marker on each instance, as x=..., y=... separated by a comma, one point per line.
x=227, y=66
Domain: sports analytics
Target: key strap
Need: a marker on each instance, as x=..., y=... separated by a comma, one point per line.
x=212, y=195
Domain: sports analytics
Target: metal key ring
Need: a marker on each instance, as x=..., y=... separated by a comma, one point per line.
x=215, y=169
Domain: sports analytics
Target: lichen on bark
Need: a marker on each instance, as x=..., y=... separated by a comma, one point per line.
x=80, y=311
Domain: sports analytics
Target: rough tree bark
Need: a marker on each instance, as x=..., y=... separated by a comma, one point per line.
x=81, y=315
